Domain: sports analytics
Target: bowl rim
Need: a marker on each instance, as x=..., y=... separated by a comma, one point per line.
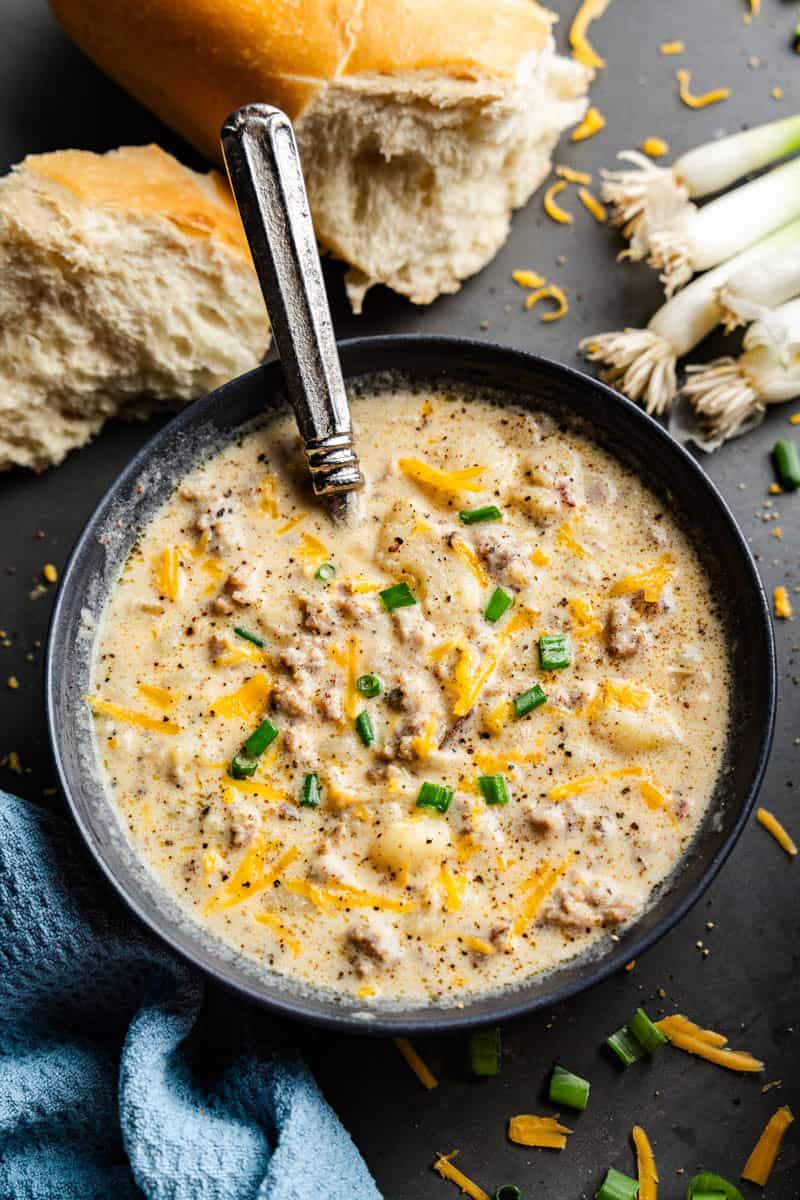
x=509, y=1004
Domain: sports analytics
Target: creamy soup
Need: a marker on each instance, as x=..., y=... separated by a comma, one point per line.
x=432, y=754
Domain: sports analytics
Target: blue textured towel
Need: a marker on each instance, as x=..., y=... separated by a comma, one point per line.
x=121, y=1075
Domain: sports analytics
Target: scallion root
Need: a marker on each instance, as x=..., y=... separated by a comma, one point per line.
x=640, y=363
x=723, y=398
x=628, y=190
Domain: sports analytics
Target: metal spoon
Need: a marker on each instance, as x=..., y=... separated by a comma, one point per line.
x=263, y=165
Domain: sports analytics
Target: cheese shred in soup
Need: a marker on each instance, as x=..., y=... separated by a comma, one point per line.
x=501, y=700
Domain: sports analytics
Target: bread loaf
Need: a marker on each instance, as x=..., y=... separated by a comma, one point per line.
x=125, y=284
x=421, y=123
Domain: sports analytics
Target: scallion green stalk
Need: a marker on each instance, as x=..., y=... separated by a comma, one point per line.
x=310, y=794
x=499, y=603
x=708, y=1186
x=493, y=788
x=568, y=1089
x=484, y=1051
x=787, y=463
x=399, y=595
x=617, y=1186
x=365, y=728
x=435, y=795
x=753, y=292
x=473, y=516
x=648, y=1035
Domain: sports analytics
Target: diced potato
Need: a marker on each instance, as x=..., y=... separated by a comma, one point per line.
x=413, y=845
x=632, y=732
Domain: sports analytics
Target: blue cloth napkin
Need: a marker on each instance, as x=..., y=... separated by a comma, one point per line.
x=122, y=1075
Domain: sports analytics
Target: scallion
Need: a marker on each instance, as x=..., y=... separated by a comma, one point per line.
x=310, y=794
x=708, y=1186
x=369, y=685
x=325, y=572
x=555, y=652
x=260, y=739
x=499, y=602
x=752, y=293
x=508, y=1191
x=709, y=168
x=493, y=789
x=526, y=702
x=242, y=767
x=617, y=1186
x=648, y=1035
x=484, y=1051
x=435, y=795
x=568, y=1089
x=364, y=728
x=787, y=463
x=474, y=516
x=642, y=362
x=399, y=595
x=627, y=1049
x=248, y=636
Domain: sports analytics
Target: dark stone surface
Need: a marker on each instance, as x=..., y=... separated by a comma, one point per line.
x=698, y=1115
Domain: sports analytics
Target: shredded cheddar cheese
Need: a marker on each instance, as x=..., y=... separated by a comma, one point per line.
x=444, y=1167
x=157, y=696
x=551, y=292
x=247, y=701
x=251, y=876
x=705, y=1043
x=268, y=500
x=587, y=782
x=453, y=887
x=783, y=605
x=255, y=787
x=291, y=524
x=342, y=896
x=773, y=826
x=645, y=1165
x=426, y=742
x=593, y=205
x=552, y=208
x=755, y=7
x=418, y=1066
x=498, y=716
x=586, y=623
x=539, y=558
x=582, y=51
x=572, y=176
x=450, y=482
x=168, y=572
x=543, y=1132
x=672, y=48
x=591, y=124
x=655, y=147
x=650, y=583
x=538, y=886
x=130, y=716
x=684, y=79
x=528, y=279
x=469, y=684
x=349, y=659
x=277, y=926
x=566, y=539
x=656, y=801
x=758, y=1167
x=470, y=558
x=312, y=550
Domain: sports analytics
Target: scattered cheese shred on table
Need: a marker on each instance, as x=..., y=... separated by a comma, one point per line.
x=444, y=1167
x=591, y=124
x=777, y=93
x=794, y=419
x=543, y=1132
x=773, y=826
x=593, y=205
x=582, y=50
x=528, y=279
x=50, y=572
x=705, y=1043
x=684, y=79
x=645, y=1165
x=551, y=292
x=672, y=47
x=782, y=603
x=655, y=147
x=554, y=210
x=571, y=175
x=420, y=1068
x=759, y=1165
x=755, y=7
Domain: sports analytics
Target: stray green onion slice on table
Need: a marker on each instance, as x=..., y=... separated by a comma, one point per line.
x=787, y=463
x=508, y=1191
x=484, y=1051
x=617, y=1186
x=569, y=1089
x=636, y=1039
x=708, y=1186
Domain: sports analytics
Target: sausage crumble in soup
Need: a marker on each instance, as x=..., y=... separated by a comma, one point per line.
x=432, y=754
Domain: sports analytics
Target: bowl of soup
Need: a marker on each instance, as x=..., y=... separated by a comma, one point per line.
x=449, y=762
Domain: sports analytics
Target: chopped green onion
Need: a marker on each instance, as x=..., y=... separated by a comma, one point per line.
x=364, y=728
x=493, y=789
x=399, y=595
x=484, y=1051
x=309, y=796
x=626, y=1047
x=508, y=1191
x=242, y=767
x=707, y=1186
x=796, y=39
x=787, y=463
x=499, y=602
x=248, y=637
x=555, y=652
x=369, y=685
x=260, y=739
x=325, y=572
x=435, y=795
x=648, y=1035
x=472, y=516
x=617, y=1186
x=569, y=1089
x=526, y=702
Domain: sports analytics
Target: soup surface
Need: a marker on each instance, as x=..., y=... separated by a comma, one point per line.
x=497, y=731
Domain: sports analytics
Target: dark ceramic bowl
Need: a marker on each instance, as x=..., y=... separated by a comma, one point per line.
x=617, y=425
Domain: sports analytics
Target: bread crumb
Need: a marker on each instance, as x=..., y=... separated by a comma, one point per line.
x=13, y=682
x=50, y=573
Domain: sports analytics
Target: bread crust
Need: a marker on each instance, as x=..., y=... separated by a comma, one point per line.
x=195, y=61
